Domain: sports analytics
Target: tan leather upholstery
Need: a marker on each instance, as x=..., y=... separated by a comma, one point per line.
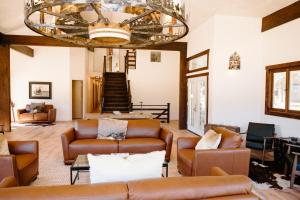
x=230, y=139
x=9, y=181
x=141, y=145
x=22, y=163
x=143, y=129
x=48, y=116
x=82, y=139
x=217, y=171
x=198, y=163
x=222, y=187
x=92, y=146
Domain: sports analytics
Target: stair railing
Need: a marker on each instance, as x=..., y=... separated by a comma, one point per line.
x=161, y=112
x=103, y=82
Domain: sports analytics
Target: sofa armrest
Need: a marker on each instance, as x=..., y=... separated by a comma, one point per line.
x=9, y=181
x=66, y=138
x=23, y=147
x=167, y=136
x=187, y=142
x=19, y=112
x=52, y=115
x=8, y=166
x=217, y=171
x=233, y=161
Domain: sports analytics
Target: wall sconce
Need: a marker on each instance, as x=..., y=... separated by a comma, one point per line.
x=234, y=62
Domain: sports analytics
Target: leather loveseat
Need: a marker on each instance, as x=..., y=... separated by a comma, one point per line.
x=220, y=186
x=48, y=115
x=142, y=136
x=22, y=163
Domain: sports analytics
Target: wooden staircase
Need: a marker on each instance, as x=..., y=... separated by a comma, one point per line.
x=116, y=93
x=130, y=60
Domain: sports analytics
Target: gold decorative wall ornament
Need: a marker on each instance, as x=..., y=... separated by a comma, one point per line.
x=108, y=23
x=235, y=62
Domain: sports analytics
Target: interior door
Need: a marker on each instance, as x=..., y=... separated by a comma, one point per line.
x=77, y=99
x=197, y=104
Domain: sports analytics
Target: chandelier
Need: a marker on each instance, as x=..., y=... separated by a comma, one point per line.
x=108, y=23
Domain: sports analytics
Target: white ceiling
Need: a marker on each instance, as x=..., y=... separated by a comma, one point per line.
x=11, y=11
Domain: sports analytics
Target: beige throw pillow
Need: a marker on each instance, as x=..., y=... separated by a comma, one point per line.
x=210, y=140
x=3, y=145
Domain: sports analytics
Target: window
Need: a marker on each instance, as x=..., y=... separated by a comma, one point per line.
x=283, y=90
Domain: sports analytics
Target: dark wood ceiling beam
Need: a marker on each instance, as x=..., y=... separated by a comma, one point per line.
x=5, y=111
x=281, y=16
x=23, y=49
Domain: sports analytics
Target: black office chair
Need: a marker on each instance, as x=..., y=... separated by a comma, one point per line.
x=260, y=137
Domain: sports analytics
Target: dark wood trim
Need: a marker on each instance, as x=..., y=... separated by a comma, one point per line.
x=175, y=46
x=270, y=70
x=281, y=16
x=183, y=89
x=197, y=75
x=207, y=96
x=206, y=52
x=23, y=49
x=283, y=65
x=5, y=112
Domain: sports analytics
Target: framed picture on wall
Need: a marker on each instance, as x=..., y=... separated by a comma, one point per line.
x=198, y=62
x=155, y=56
x=40, y=90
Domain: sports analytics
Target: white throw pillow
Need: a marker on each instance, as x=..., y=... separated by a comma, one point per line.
x=4, y=150
x=114, y=168
x=210, y=140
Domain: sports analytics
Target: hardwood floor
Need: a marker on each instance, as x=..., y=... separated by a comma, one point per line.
x=54, y=172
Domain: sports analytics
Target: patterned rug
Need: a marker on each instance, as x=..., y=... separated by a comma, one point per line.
x=269, y=176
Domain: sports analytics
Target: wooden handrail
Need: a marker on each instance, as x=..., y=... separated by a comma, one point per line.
x=161, y=111
x=102, y=84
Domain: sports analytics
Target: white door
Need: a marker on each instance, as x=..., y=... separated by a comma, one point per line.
x=197, y=104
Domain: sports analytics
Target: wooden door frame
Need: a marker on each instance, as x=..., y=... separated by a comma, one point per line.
x=7, y=40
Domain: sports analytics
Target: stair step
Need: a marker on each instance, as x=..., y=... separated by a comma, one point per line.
x=115, y=108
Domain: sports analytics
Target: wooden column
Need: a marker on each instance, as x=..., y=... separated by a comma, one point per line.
x=5, y=87
x=183, y=89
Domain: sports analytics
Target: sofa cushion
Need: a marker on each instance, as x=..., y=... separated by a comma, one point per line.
x=118, y=167
x=40, y=116
x=185, y=158
x=141, y=145
x=26, y=116
x=210, y=140
x=230, y=139
x=86, y=129
x=143, y=129
x=94, y=146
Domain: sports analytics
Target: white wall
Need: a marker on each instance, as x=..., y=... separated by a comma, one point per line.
x=50, y=64
x=156, y=83
x=282, y=45
x=237, y=97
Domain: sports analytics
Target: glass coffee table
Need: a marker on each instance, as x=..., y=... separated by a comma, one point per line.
x=81, y=164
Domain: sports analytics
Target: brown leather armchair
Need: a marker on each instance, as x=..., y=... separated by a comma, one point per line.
x=49, y=115
x=191, y=162
x=142, y=136
x=22, y=163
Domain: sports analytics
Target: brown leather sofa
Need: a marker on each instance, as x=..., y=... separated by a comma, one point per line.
x=142, y=136
x=9, y=181
x=191, y=162
x=48, y=116
x=220, y=186
x=22, y=163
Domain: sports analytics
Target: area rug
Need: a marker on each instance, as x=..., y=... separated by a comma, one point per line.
x=15, y=124
x=269, y=176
